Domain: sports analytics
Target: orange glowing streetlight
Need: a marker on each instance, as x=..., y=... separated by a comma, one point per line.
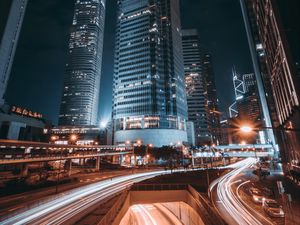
x=73, y=137
x=138, y=142
x=246, y=129
x=54, y=138
x=243, y=143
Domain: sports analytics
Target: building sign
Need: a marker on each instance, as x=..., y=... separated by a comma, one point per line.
x=25, y=112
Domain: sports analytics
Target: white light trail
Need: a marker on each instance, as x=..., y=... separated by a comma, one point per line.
x=230, y=201
x=73, y=202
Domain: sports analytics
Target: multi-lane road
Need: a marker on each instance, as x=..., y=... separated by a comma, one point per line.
x=63, y=208
x=227, y=199
x=75, y=202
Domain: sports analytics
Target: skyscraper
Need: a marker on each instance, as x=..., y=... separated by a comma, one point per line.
x=80, y=100
x=273, y=33
x=248, y=107
x=9, y=41
x=149, y=92
x=212, y=99
x=195, y=85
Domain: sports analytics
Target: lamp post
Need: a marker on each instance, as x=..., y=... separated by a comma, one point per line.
x=73, y=139
x=59, y=170
x=147, y=152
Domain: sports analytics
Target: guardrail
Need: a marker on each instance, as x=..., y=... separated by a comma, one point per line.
x=114, y=210
x=211, y=215
x=158, y=187
x=56, y=158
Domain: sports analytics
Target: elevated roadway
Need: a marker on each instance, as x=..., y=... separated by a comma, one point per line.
x=15, y=152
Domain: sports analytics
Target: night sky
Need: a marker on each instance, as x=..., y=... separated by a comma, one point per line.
x=38, y=70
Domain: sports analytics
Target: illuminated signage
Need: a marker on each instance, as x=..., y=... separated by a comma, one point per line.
x=25, y=112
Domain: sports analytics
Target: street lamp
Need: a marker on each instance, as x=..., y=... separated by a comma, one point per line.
x=243, y=143
x=147, y=152
x=73, y=137
x=246, y=129
x=54, y=138
x=138, y=142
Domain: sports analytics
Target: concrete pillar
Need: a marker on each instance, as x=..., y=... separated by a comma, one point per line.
x=81, y=161
x=98, y=163
x=115, y=159
x=134, y=160
x=68, y=166
x=121, y=160
x=24, y=170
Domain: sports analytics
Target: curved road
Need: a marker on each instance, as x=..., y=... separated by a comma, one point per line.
x=71, y=203
x=151, y=214
x=230, y=202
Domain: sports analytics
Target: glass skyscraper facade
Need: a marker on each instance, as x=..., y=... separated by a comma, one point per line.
x=273, y=32
x=80, y=100
x=195, y=85
x=9, y=40
x=149, y=102
x=212, y=99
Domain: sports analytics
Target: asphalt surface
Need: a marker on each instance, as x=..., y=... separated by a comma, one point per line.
x=63, y=207
x=226, y=199
x=12, y=203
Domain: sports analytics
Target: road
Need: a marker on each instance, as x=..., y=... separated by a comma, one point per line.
x=151, y=214
x=11, y=203
x=226, y=199
x=65, y=206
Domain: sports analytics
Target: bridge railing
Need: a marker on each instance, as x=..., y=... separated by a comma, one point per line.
x=211, y=215
x=158, y=187
x=114, y=210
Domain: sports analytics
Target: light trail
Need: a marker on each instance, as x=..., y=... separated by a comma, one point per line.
x=151, y=214
x=230, y=201
x=72, y=203
x=250, y=208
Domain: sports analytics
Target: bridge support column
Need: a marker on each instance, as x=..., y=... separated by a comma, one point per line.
x=115, y=159
x=24, y=170
x=121, y=160
x=134, y=163
x=81, y=162
x=69, y=166
x=98, y=163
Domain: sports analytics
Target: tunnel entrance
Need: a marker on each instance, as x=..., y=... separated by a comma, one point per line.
x=167, y=213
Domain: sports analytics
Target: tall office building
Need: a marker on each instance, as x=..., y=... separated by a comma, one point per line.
x=80, y=100
x=195, y=86
x=212, y=100
x=248, y=107
x=9, y=40
x=149, y=91
x=274, y=38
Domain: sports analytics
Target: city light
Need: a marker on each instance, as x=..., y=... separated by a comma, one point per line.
x=53, y=138
x=165, y=121
x=243, y=143
x=246, y=129
x=103, y=124
x=73, y=137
